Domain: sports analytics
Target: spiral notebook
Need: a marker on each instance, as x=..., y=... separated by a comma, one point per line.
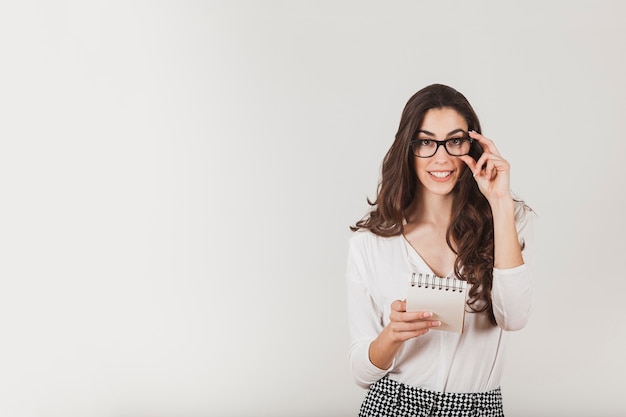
x=444, y=297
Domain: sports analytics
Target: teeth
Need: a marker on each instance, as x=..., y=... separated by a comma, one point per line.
x=440, y=174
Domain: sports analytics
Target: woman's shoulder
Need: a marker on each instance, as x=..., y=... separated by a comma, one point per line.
x=375, y=249
x=365, y=237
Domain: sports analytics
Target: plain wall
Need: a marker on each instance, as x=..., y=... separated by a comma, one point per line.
x=178, y=177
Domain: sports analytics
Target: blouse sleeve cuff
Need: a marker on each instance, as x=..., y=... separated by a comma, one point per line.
x=364, y=371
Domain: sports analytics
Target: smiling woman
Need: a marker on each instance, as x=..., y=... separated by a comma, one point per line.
x=443, y=208
x=437, y=168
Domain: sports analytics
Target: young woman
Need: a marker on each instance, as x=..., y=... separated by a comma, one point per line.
x=443, y=208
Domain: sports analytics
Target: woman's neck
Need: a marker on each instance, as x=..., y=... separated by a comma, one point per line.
x=431, y=208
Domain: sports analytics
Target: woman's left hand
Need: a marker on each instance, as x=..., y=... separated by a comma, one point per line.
x=491, y=171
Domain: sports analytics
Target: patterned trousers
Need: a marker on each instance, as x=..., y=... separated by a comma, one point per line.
x=388, y=398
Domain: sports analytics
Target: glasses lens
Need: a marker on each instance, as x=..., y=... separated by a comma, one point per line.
x=424, y=148
x=458, y=146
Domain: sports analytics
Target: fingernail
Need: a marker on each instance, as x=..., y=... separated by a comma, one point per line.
x=436, y=323
x=427, y=314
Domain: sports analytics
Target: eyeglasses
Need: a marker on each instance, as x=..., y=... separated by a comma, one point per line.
x=425, y=148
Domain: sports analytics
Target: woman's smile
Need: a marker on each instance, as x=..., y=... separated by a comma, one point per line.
x=440, y=175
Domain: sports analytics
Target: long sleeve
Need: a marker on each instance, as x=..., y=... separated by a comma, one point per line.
x=512, y=291
x=377, y=273
x=364, y=316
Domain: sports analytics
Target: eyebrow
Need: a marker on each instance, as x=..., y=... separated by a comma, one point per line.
x=454, y=132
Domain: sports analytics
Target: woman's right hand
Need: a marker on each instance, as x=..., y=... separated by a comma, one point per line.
x=402, y=326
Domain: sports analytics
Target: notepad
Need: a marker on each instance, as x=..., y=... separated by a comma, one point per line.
x=444, y=297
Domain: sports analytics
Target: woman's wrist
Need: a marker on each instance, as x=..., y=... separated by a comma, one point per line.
x=504, y=204
x=507, y=250
x=383, y=350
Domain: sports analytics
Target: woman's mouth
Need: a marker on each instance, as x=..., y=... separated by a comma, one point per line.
x=441, y=175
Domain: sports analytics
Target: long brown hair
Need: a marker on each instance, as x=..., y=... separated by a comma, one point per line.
x=471, y=227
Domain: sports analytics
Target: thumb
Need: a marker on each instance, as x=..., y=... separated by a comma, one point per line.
x=399, y=306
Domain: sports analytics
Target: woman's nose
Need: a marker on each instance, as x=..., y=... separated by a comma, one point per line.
x=441, y=153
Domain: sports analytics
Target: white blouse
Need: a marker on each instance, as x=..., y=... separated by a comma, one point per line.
x=378, y=271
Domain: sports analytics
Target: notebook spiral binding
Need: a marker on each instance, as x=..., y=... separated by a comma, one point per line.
x=435, y=282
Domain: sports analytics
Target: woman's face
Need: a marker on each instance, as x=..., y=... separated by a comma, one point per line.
x=439, y=173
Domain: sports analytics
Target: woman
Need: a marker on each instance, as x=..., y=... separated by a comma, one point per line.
x=443, y=208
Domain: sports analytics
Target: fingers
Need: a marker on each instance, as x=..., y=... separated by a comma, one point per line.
x=410, y=331
x=487, y=144
x=491, y=171
x=490, y=161
x=398, y=305
x=469, y=161
x=490, y=164
x=406, y=325
x=403, y=316
x=405, y=330
x=399, y=313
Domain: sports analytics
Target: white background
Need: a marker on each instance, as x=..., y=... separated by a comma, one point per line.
x=177, y=179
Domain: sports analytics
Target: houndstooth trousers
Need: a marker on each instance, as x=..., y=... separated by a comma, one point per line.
x=388, y=398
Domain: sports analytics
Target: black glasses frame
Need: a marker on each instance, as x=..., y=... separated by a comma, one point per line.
x=440, y=143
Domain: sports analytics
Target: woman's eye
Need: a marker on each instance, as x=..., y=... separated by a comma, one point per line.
x=424, y=142
x=456, y=141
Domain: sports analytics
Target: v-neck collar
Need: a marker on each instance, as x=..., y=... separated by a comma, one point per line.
x=417, y=261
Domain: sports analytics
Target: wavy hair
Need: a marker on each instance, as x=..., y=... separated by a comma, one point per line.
x=471, y=226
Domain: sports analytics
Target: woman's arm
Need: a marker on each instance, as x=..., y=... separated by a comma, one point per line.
x=402, y=327
x=512, y=290
x=373, y=345
x=492, y=174
x=507, y=249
